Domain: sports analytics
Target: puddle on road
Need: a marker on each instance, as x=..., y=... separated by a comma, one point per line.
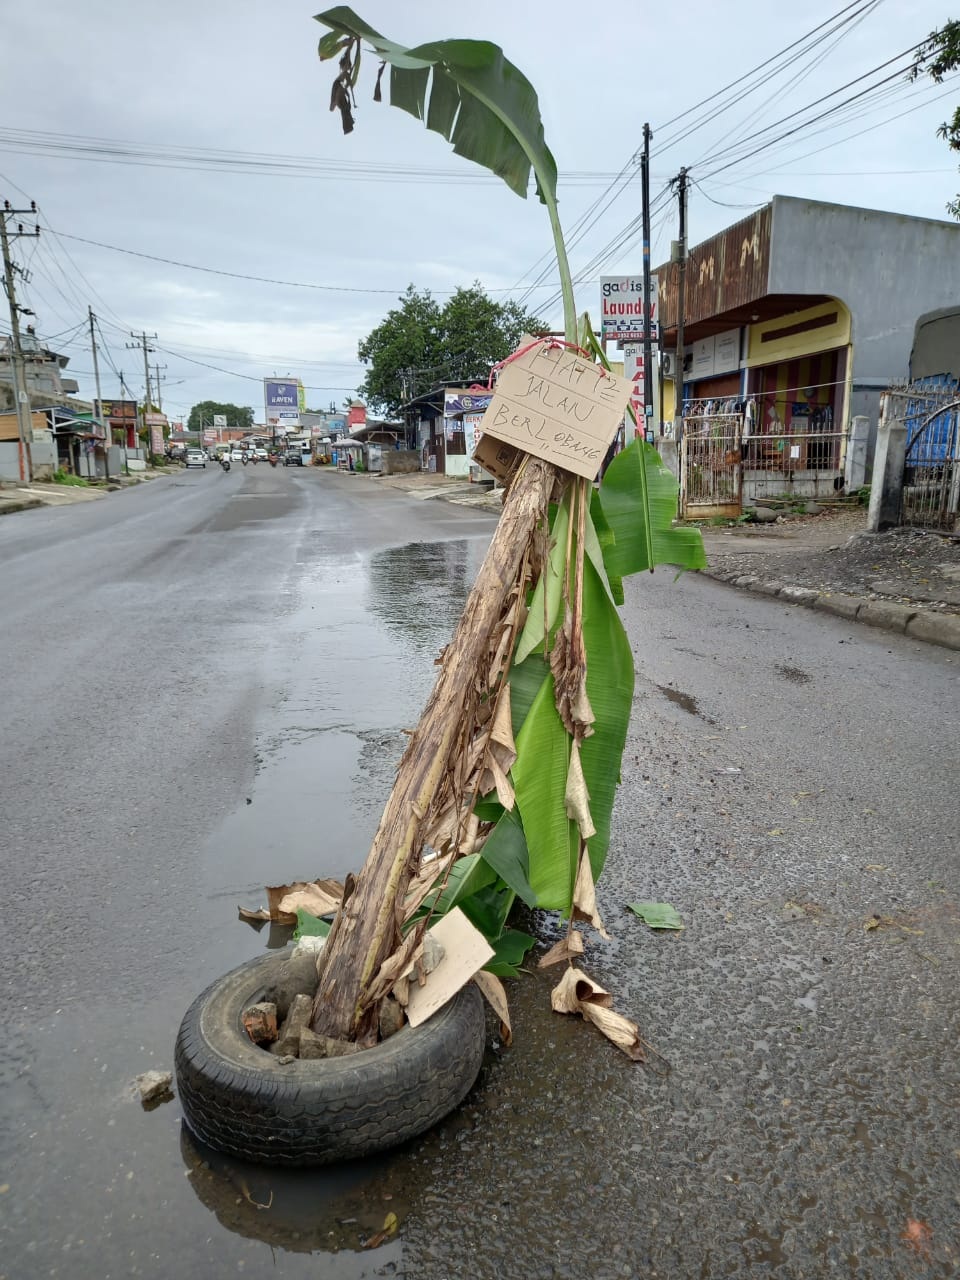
x=340, y=1208
x=355, y=662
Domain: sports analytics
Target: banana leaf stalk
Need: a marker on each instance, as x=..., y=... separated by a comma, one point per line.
x=507, y=785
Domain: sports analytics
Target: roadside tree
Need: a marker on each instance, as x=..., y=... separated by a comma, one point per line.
x=420, y=343
x=238, y=416
x=937, y=57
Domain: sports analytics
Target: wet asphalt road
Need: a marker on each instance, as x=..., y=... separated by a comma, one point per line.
x=204, y=687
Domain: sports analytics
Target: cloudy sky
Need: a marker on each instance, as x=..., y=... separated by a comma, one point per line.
x=198, y=132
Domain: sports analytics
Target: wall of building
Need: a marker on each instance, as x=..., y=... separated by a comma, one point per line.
x=887, y=268
x=936, y=346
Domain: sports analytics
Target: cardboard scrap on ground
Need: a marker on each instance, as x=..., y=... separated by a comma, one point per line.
x=558, y=405
x=576, y=993
x=465, y=952
x=319, y=897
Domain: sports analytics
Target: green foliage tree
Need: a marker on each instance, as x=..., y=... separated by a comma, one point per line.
x=237, y=416
x=420, y=343
x=937, y=56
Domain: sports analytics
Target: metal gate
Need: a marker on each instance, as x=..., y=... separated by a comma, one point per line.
x=711, y=476
x=930, y=409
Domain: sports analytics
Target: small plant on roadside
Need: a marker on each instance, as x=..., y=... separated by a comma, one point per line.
x=68, y=478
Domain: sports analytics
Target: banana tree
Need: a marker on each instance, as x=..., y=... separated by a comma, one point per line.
x=507, y=785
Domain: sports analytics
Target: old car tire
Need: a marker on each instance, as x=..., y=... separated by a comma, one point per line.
x=244, y=1101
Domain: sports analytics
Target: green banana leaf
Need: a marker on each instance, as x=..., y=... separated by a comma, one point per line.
x=468, y=875
x=543, y=754
x=540, y=779
x=525, y=683
x=478, y=100
x=605, y=538
x=638, y=496
x=510, y=949
x=549, y=584
x=505, y=851
x=610, y=679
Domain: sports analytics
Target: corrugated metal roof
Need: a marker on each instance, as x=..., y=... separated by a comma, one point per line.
x=728, y=271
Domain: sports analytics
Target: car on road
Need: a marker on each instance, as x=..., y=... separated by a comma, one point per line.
x=293, y=458
x=236, y=455
x=261, y=453
x=196, y=458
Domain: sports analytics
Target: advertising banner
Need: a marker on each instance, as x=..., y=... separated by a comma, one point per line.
x=118, y=408
x=281, y=395
x=621, y=308
x=156, y=439
x=633, y=371
x=456, y=401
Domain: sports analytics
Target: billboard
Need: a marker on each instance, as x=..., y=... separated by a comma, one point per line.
x=456, y=401
x=621, y=308
x=281, y=397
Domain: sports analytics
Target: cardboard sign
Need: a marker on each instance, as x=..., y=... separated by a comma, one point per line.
x=553, y=403
x=500, y=460
x=465, y=950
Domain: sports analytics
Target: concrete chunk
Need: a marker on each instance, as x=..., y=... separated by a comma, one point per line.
x=841, y=606
x=885, y=614
x=799, y=595
x=936, y=628
x=288, y=1041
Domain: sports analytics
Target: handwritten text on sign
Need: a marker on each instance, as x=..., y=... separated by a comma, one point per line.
x=553, y=403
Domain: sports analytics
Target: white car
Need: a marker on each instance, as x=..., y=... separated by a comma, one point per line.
x=236, y=455
x=196, y=458
x=261, y=453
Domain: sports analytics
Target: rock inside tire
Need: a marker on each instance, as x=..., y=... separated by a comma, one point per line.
x=243, y=1101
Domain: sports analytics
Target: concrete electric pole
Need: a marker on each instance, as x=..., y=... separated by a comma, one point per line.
x=143, y=340
x=98, y=403
x=647, y=341
x=680, y=257
x=24, y=420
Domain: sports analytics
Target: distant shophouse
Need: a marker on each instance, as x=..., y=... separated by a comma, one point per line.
x=795, y=320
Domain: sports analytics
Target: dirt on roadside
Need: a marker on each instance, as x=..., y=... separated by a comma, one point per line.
x=832, y=552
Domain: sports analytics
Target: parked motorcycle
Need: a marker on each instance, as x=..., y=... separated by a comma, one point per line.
x=225, y=463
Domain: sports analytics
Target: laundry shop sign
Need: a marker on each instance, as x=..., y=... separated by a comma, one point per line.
x=621, y=308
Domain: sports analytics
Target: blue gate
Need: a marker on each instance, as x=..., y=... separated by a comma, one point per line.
x=930, y=408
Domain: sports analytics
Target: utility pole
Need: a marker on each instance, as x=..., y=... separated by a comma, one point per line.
x=156, y=369
x=98, y=403
x=647, y=343
x=143, y=340
x=24, y=420
x=680, y=257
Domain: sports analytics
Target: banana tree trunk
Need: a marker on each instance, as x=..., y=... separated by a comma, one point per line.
x=367, y=928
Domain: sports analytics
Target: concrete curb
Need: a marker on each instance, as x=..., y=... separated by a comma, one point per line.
x=918, y=624
x=25, y=504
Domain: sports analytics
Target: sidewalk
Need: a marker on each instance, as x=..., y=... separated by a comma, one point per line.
x=422, y=485
x=902, y=580
x=42, y=493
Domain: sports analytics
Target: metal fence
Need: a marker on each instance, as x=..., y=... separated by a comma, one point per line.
x=725, y=465
x=711, y=479
x=930, y=410
x=802, y=464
